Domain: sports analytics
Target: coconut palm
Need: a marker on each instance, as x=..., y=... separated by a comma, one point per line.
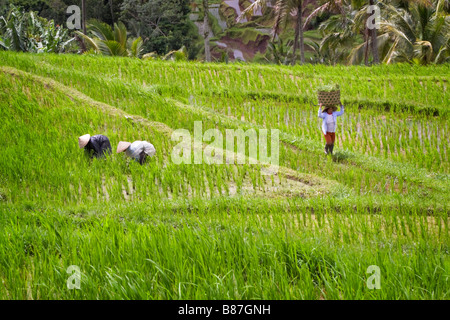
x=334, y=6
x=370, y=37
x=112, y=42
x=420, y=34
x=346, y=28
x=283, y=9
x=278, y=52
x=373, y=36
x=339, y=37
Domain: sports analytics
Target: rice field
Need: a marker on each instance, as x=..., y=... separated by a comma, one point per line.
x=222, y=231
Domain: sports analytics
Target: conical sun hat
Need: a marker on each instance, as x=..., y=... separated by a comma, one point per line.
x=123, y=145
x=84, y=140
x=325, y=108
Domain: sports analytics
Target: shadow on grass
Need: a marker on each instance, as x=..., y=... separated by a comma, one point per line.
x=3, y=197
x=341, y=156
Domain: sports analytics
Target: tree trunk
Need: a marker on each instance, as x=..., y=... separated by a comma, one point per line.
x=302, y=46
x=83, y=15
x=112, y=12
x=373, y=33
x=299, y=34
x=206, y=31
x=83, y=23
x=366, y=46
x=82, y=44
x=295, y=42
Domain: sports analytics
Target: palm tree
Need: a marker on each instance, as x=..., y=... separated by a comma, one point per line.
x=83, y=25
x=345, y=8
x=420, y=34
x=112, y=11
x=370, y=38
x=338, y=39
x=112, y=42
x=373, y=35
x=83, y=15
x=338, y=6
x=283, y=9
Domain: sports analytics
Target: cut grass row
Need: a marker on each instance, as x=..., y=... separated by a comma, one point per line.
x=218, y=252
x=133, y=97
x=403, y=88
x=42, y=120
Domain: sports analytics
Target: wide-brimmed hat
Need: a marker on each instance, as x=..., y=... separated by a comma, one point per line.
x=325, y=108
x=84, y=140
x=123, y=145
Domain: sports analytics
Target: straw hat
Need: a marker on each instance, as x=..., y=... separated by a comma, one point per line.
x=325, y=108
x=83, y=140
x=123, y=145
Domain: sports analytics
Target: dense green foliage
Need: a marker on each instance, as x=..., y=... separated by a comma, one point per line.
x=112, y=42
x=163, y=25
x=307, y=31
x=27, y=32
x=56, y=9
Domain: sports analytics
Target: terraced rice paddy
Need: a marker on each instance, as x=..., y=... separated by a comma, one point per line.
x=222, y=231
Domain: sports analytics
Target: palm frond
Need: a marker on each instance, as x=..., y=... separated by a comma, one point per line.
x=357, y=54
x=112, y=48
x=442, y=55
x=393, y=29
x=3, y=46
x=439, y=6
x=318, y=11
x=281, y=9
x=137, y=47
x=388, y=58
x=93, y=43
x=120, y=34
x=101, y=30
x=251, y=9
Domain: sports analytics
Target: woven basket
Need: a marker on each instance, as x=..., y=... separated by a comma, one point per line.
x=329, y=98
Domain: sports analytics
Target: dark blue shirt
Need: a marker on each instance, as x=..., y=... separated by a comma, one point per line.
x=98, y=145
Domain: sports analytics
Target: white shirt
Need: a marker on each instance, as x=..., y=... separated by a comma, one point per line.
x=135, y=149
x=331, y=124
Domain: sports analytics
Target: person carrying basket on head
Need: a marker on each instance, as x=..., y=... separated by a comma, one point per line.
x=329, y=115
